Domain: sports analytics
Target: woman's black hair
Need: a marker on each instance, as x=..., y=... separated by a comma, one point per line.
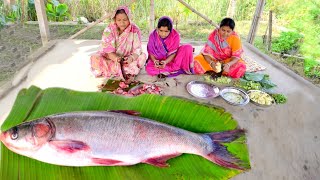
x=120, y=11
x=228, y=22
x=165, y=23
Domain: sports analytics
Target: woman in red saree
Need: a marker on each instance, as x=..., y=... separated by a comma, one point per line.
x=166, y=56
x=121, y=55
x=222, y=48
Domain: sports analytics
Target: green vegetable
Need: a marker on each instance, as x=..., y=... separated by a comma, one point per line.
x=256, y=81
x=253, y=76
x=223, y=80
x=248, y=85
x=220, y=80
x=279, y=98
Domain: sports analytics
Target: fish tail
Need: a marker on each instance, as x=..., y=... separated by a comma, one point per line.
x=220, y=154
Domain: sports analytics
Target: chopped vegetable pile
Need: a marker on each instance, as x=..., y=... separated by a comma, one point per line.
x=279, y=98
x=261, y=98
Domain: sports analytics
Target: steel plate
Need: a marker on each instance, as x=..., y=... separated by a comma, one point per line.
x=202, y=90
x=234, y=96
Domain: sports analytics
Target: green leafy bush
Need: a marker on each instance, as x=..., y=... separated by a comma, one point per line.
x=32, y=14
x=288, y=41
x=312, y=68
x=2, y=21
x=14, y=13
x=56, y=11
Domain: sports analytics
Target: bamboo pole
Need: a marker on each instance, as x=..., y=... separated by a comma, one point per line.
x=90, y=26
x=270, y=31
x=287, y=55
x=199, y=14
x=43, y=21
x=255, y=21
x=151, y=25
x=95, y=23
x=22, y=4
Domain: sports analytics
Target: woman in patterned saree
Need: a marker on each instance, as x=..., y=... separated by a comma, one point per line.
x=222, y=52
x=121, y=54
x=166, y=56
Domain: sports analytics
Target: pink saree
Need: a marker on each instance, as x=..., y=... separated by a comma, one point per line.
x=162, y=48
x=124, y=45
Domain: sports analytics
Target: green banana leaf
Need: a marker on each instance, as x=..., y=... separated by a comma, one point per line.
x=34, y=103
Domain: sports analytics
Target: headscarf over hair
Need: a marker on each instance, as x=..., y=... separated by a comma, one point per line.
x=126, y=10
x=162, y=48
x=127, y=43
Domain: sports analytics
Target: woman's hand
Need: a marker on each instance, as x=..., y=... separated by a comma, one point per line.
x=156, y=63
x=117, y=59
x=216, y=66
x=128, y=60
x=213, y=64
x=162, y=64
x=226, y=67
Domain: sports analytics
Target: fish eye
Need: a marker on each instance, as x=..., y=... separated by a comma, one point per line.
x=14, y=134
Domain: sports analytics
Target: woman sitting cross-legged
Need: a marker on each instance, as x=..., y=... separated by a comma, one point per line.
x=166, y=56
x=222, y=52
x=121, y=54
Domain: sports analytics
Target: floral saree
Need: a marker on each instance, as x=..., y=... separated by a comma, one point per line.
x=124, y=45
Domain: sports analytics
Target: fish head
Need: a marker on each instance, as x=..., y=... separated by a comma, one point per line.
x=28, y=137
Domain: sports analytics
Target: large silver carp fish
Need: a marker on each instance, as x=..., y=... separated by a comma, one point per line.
x=114, y=138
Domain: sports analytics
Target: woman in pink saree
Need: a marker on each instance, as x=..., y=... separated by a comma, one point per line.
x=222, y=48
x=121, y=55
x=166, y=56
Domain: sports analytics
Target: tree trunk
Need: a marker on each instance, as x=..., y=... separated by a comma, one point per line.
x=151, y=25
x=270, y=32
x=232, y=8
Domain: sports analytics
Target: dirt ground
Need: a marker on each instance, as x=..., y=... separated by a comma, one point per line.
x=18, y=42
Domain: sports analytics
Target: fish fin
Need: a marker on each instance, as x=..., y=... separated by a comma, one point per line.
x=160, y=161
x=222, y=157
x=220, y=154
x=106, y=162
x=129, y=112
x=226, y=136
x=70, y=146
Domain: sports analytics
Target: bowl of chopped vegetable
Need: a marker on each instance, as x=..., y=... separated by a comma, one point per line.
x=260, y=98
x=234, y=96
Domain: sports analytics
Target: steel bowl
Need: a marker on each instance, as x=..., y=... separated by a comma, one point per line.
x=234, y=96
x=202, y=89
x=259, y=104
